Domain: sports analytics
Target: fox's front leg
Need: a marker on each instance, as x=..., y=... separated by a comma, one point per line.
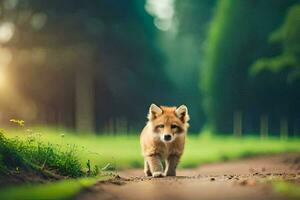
x=171, y=165
x=147, y=169
x=155, y=165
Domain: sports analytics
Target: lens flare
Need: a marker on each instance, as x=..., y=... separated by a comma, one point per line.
x=7, y=30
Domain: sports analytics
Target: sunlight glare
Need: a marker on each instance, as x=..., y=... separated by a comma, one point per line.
x=163, y=25
x=7, y=30
x=163, y=12
x=163, y=9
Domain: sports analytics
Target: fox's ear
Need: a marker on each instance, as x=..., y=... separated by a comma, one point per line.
x=154, y=111
x=182, y=113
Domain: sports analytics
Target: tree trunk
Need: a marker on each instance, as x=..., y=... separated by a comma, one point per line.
x=284, y=129
x=85, y=103
x=264, y=126
x=237, y=123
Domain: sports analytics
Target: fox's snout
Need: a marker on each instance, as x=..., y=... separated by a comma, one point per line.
x=166, y=137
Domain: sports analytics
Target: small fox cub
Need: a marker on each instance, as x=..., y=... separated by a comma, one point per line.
x=162, y=139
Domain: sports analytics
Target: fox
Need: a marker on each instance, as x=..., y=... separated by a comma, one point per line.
x=163, y=139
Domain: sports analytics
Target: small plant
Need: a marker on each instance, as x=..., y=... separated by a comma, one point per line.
x=19, y=122
x=108, y=167
x=88, y=164
x=96, y=170
x=91, y=172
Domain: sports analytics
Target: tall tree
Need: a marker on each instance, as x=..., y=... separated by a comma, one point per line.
x=288, y=35
x=236, y=38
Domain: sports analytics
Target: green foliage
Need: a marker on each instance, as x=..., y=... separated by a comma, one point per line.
x=289, y=37
x=236, y=38
x=288, y=189
x=54, y=191
x=9, y=155
x=275, y=64
x=30, y=152
x=217, y=32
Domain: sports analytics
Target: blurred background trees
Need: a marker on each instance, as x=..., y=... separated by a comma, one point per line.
x=238, y=35
x=287, y=36
x=98, y=65
x=87, y=63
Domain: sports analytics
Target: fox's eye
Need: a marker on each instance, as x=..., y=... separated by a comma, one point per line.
x=160, y=126
x=173, y=126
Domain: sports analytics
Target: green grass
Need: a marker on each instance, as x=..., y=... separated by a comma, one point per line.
x=32, y=157
x=32, y=153
x=69, y=154
x=59, y=190
x=123, y=151
x=286, y=188
x=200, y=150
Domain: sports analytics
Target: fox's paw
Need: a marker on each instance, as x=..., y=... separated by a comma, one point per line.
x=170, y=173
x=157, y=174
x=148, y=173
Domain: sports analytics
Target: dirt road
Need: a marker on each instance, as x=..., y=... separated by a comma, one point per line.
x=242, y=179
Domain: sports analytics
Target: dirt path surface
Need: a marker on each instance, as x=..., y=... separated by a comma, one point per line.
x=241, y=179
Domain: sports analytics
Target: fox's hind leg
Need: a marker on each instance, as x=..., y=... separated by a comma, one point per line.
x=155, y=165
x=171, y=165
x=147, y=170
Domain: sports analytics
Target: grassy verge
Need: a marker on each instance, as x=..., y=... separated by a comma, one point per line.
x=28, y=159
x=29, y=155
x=58, y=190
x=287, y=189
x=123, y=151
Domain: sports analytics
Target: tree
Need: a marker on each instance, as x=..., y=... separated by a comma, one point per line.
x=236, y=38
x=86, y=62
x=288, y=35
x=182, y=27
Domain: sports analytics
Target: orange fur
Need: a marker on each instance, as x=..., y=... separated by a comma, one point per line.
x=163, y=139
